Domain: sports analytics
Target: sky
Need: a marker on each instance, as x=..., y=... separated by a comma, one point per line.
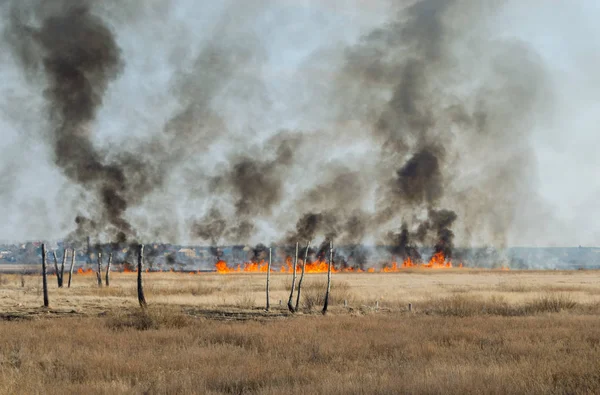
x=301, y=47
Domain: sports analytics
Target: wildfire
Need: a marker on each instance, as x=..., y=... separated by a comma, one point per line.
x=437, y=261
x=85, y=272
x=249, y=267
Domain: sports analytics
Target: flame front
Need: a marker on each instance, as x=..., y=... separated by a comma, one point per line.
x=437, y=261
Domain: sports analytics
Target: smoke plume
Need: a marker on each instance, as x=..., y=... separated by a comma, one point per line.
x=196, y=123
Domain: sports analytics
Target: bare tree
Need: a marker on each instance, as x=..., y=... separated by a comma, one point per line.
x=108, y=269
x=99, y=270
x=140, y=286
x=71, y=268
x=268, y=280
x=302, y=276
x=62, y=268
x=56, y=268
x=44, y=276
x=326, y=304
x=290, y=300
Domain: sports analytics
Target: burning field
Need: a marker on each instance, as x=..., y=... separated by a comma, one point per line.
x=321, y=266
x=395, y=145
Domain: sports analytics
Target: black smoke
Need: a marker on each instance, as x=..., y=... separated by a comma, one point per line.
x=420, y=134
x=79, y=57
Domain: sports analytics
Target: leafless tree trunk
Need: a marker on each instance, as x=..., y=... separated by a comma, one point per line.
x=302, y=276
x=56, y=268
x=99, y=270
x=62, y=268
x=72, y=265
x=140, y=286
x=268, y=280
x=108, y=269
x=290, y=300
x=326, y=304
x=44, y=276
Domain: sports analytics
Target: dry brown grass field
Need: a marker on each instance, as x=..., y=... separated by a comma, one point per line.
x=469, y=332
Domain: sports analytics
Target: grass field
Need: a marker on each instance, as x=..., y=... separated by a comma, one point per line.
x=470, y=331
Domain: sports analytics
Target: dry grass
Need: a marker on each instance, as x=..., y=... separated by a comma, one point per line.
x=314, y=297
x=167, y=352
x=470, y=332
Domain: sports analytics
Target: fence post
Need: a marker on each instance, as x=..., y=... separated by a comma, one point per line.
x=108, y=269
x=326, y=304
x=72, y=265
x=99, y=270
x=268, y=280
x=302, y=276
x=62, y=268
x=44, y=276
x=140, y=286
x=290, y=303
x=56, y=268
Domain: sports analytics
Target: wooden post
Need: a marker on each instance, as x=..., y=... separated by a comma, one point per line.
x=140, y=286
x=62, y=268
x=56, y=268
x=290, y=300
x=326, y=304
x=71, y=268
x=89, y=251
x=44, y=276
x=99, y=270
x=108, y=269
x=410, y=307
x=302, y=276
x=268, y=280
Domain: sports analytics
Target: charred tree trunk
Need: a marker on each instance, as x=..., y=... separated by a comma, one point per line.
x=326, y=304
x=302, y=276
x=44, y=276
x=56, y=268
x=290, y=300
x=62, y=268
x=268, y=280
x=71, y=268
x=107, y=279
x=99, y=269
x=140, y=286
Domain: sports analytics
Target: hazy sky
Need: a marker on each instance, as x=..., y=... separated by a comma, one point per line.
x=302, y=44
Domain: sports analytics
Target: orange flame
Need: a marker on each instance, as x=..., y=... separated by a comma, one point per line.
x=86, y=272
x=222, y=267
x=437, y=261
